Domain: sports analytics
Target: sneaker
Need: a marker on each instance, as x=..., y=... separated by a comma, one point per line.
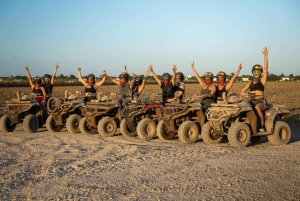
x=262, y=129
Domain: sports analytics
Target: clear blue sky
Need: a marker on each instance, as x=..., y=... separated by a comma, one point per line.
x=98, y=35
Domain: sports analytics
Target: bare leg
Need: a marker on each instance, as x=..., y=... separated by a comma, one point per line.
x=259, y=108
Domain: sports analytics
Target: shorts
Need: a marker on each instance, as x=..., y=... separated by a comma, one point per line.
x=256, y=101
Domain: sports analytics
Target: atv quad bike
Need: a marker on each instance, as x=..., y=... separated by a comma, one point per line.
x=237, y=120
x=141, y=117
x=22, y=110
x=64, y=112
x=186, y=118
x=104, y=115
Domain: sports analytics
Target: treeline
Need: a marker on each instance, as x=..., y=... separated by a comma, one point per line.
x=72, y=80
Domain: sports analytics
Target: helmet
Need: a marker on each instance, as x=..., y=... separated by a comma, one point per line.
x=257, y=67
x=181, y=75
x=46, y=76
x=91, y=76
x=222, y=73
x=138, y=80
x=37, y=80
x=208, y=75
x=166, y=76
x=124, y=76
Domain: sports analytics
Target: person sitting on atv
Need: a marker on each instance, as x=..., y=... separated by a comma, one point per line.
x=208, y=89
x=138, y=85
x=49, y=82
x=125, y=86
x=257, y=87
x=179, y=87
x=90, y=86
x=38, y=91
x=222, y=86
x=166, y=84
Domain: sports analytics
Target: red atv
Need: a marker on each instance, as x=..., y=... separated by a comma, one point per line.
x=140, y=118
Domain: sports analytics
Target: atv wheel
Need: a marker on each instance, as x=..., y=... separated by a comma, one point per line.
x=125, y=130
x=146, y=129
x=53, y=104
x=188, y=132
x=239, y=135
x=162, y=132
x=281, y=135
x=107, y=127
x=209, y=136
x=72, y=123
x=51, y=125
x=85, y=128
x=31, y=123
x=6, y=125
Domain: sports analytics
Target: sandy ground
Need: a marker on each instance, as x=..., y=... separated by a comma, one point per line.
x=64, y=166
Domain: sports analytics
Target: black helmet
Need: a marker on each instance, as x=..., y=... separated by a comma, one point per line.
x=257, y=67
x=221, y=73
x=208, y=75
x=123, y=75
x=47, y=76
x=166, y=76
x=37, y=80
x=138, y=80
x=181, y=75
x=92, y=76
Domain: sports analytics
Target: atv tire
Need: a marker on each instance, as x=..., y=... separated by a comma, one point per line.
x=72, y=123
x=162, y=132
x=53, y=104
x=6, y=125
x=208, y=135
x=31, y=123
x=239, y=135
x=146, y=129
x=125, y=130
x=85, y=129
x=281, y=135
x=51, y=124
x=107, y=127
x=188, y=132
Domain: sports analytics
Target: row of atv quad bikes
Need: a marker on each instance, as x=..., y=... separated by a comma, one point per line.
x=234, y=120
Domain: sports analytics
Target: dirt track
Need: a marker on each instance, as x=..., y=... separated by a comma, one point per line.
x=63, y=166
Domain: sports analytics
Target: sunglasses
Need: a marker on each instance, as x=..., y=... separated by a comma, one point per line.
x=220, y=78
x=258, y=67
x=256, y=71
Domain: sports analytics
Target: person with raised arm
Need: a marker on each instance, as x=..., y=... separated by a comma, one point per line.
x=49, y=82
x=125, y=86
x=257, y=87
x=166, y=84
x=90, y=85
x=179, y=87
x=208, y=89
x=222, y=86
x=139, y=85
x=39, y=92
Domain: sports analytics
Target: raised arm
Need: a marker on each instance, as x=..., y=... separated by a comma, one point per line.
x=131, y=82
x=117, y=82
x=244, y=89
x=54, y=73
x=80, y=76
x=97, y=84
x=154, y=75
x=141, y=88
x=174, y=69
x=29, y=76
x=197, y=75
x=265, y=75
x=125, y=70
x=229, y=85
